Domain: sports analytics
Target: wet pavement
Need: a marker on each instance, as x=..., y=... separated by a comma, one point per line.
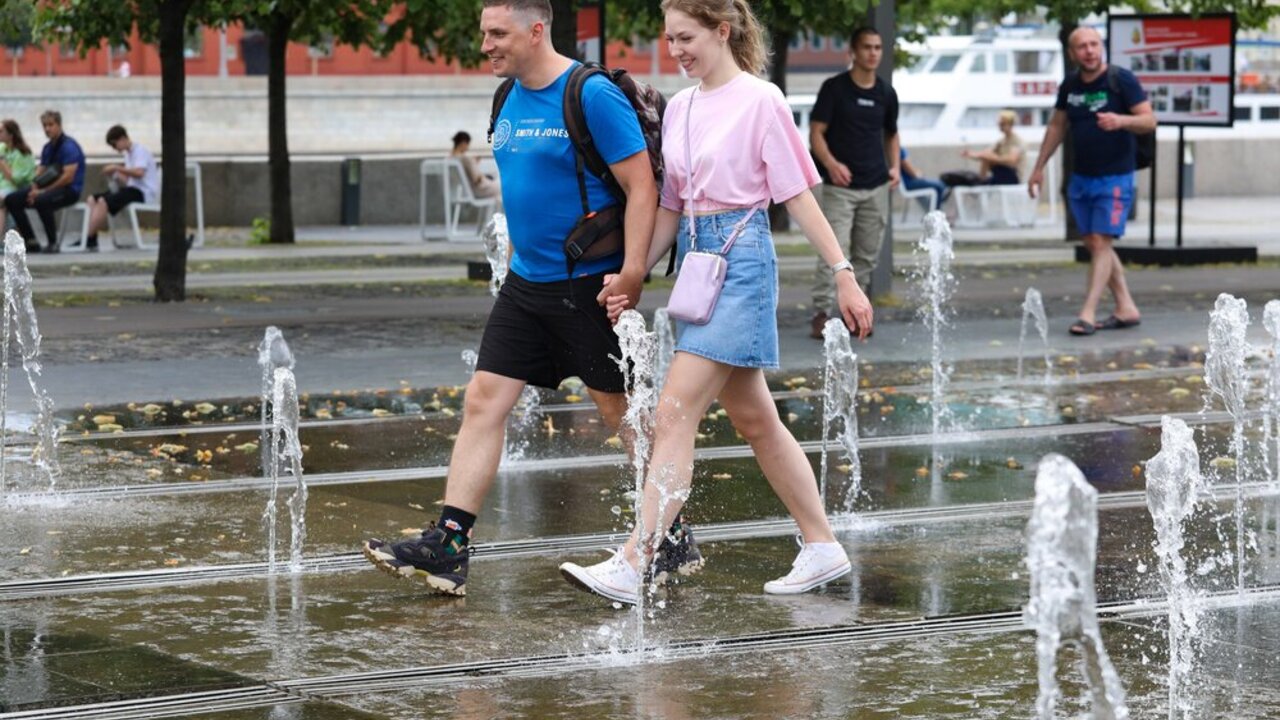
x=139, y=589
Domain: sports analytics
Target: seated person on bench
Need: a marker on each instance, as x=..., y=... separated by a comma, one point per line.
x=1002, y=164
x=482, y=186
x=134, y=181
x=913, y=179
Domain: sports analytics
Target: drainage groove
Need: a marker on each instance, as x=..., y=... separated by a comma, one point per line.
x=567, y=544
x=162, y=706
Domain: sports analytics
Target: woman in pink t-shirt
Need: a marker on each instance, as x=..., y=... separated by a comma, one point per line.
x=729, y=146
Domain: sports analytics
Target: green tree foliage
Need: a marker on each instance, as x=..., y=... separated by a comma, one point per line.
x=16, y=17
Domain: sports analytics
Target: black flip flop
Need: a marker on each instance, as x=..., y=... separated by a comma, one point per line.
x=1083, y=327
x=1115, y=323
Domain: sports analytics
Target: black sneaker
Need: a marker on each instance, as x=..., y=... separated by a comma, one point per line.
x=423, y=556
x=677, y=554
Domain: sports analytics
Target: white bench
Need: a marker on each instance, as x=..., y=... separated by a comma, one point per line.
x=455, y=191
x=977, y=205
x=132, y=210
x=914, y=197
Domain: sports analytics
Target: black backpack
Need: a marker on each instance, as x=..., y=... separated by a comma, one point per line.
x=648, y=103
x=1145, y=150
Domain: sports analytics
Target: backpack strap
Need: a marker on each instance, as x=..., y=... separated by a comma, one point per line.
x=575, y=124
x=499, y=99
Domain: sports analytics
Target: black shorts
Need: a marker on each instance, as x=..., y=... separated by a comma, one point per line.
x=540, y=333
x=118, y=199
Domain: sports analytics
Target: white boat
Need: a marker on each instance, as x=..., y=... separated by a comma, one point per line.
x=957, y=85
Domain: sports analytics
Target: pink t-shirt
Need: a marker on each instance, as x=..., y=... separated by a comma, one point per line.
x=746, y=149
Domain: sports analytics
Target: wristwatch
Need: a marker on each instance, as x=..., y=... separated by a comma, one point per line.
x=842, y=265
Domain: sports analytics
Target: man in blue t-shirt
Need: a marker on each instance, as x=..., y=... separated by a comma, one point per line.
x=62, y=191
x=1104, y=111
x=545, y=325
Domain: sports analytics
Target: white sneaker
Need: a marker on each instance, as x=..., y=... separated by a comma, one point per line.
x=817, y=564
x=614, y=579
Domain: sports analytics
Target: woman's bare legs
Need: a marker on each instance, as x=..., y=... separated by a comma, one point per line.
x=692, y=384
x=755, y=416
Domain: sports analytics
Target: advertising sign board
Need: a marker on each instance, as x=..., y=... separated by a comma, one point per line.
x=1186, y=64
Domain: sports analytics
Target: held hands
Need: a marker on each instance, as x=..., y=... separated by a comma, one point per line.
x=621, y=291
x=855, y=308
x=840, y=174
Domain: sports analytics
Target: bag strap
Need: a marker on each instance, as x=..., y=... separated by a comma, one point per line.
x=693, y=225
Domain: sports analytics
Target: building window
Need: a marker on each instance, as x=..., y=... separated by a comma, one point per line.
x=1243, y=112
x=817, y=42
x=193, y=43
x=838, y=42
x=13, y=52
x=1269, y=112
x=322, y=49
x=1033, y=62
x=67, y=51
x=918, y=116
x=797, y=42
x=945, y=63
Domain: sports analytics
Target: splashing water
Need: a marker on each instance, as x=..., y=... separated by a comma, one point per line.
x=665, y=334
x=639, y=349
x=20, y=320
x=284, y=441
x=469, y=358
x=496, y=243
x=1271, y=410
x=1062, y=538
x=273, y=353
x=1174, y=484
x=1224, y=374
x=1033, y=307
x=840, y=407
x=937, y=286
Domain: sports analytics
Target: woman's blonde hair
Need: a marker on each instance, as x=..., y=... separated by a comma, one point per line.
x=746, y=37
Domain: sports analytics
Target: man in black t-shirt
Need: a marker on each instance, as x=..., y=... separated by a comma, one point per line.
x=853, y=131
x=1104, y=108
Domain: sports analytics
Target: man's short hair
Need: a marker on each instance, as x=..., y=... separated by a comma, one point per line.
x=861, y=33
x=115, y=133
x=538, y=9
x=53, y=115
x=1071, y=39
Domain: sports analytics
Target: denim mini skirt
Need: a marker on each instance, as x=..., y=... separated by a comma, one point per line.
x=743, y=330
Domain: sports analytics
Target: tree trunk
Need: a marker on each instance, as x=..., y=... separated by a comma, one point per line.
x=170, y=279
x=278, y=29
x=1071, y=230
x=564, y=27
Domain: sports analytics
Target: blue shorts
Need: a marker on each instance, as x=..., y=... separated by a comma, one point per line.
x=743, y=330
x=1101, y=204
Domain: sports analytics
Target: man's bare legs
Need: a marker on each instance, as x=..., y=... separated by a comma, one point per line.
x=489, y=400
x=1106, y=271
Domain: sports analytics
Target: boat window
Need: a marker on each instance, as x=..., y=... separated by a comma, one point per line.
x=988, y=117
x=979, y=63
x=1033, y=62
x=1269, y=112
x=1243, y=112
x=946, y=63
x=918, y=116
x=1001, y=62
x=918, y=63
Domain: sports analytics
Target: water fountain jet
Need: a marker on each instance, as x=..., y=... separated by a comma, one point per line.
x=1271, y=404
x=1062, y=538
x=937, y=284
x=288, y=449
x=1224, y=375
x=497, y=242
x=1174, y=484
x=1033, y=308
x=840, y=408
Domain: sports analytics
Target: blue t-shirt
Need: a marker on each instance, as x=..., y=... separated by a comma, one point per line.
x=1097, y=151
x=539, y=176
x=69, y=152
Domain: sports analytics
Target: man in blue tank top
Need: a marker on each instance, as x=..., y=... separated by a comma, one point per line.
x=1104, y=116
x=545, y=325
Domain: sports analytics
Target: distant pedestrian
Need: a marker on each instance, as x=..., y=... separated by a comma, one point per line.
x=57, y=183
x=853, y=132
x=136, y=180
x=1105, y=108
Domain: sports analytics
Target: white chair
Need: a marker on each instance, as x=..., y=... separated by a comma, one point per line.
x=60, y=216
x=455, y=191
x=132, y=209
x=914, y=197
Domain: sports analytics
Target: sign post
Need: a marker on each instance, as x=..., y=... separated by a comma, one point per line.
x=1187, y=66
